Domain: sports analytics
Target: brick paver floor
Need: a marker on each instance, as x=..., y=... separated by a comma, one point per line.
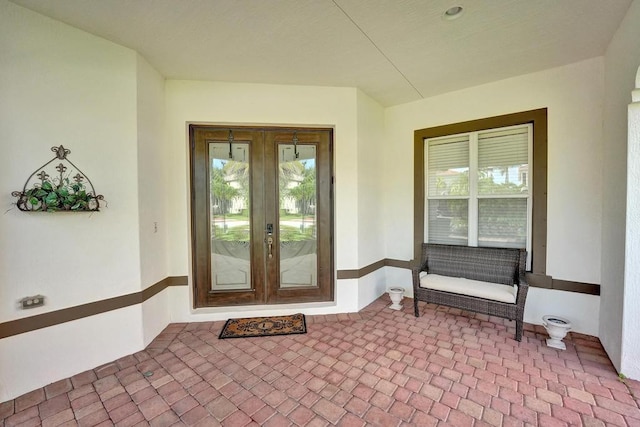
x=377, y=367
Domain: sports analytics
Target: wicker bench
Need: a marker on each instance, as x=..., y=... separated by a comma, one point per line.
x=483, y=280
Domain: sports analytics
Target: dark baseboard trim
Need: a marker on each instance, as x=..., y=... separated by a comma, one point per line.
x=52, y=318
x=534, y=280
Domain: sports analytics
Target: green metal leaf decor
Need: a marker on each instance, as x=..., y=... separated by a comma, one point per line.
x=60, y=193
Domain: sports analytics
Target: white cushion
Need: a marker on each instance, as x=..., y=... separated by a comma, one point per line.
x=474, y=288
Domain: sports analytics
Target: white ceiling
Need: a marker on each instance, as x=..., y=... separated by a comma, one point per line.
x=396, y=51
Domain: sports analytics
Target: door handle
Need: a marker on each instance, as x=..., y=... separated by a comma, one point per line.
x=270, y=244
x=270, y=240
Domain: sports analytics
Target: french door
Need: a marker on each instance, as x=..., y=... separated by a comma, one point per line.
x=261, y=215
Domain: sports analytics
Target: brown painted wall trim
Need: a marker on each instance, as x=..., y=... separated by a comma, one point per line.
x=582, y=288
x=44, y=320
x=534, y=280
x=387, y=262
x=52, y=318
x=356, y=274
x=548, y=282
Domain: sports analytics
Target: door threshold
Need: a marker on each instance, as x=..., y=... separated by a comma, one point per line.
x=269, y=309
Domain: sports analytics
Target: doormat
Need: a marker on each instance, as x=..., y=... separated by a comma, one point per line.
x=264, y=326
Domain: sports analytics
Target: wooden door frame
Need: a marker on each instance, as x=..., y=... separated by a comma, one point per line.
x=200, y=212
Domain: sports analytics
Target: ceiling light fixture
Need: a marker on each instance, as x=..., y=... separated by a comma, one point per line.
x=454, y=12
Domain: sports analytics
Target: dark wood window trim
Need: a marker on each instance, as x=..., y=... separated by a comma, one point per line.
x=538, y=276
x=539, y=175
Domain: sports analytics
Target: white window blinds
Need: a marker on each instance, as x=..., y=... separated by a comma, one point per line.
x=502, y=159
x=503, y=165
x=478, y=188
x=448, y=190
x=448, y=167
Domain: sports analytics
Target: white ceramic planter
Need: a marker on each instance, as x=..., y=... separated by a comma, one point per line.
x=557, y=328
x=396, y=295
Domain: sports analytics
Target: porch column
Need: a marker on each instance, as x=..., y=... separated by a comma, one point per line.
x=631, y=314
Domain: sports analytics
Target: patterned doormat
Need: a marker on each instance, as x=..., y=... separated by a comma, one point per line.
x=264, y=326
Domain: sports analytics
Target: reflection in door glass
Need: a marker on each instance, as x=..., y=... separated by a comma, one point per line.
x=230, y=226
x=297, y=232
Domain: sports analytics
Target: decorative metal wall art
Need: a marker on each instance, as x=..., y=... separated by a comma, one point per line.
x=49, y=191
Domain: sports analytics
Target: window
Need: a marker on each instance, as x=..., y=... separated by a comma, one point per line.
x=476, y=194
x=535, y=175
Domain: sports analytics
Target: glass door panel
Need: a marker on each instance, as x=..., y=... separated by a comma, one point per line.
x=230, y=221
x=261, y=215
x=297, y=216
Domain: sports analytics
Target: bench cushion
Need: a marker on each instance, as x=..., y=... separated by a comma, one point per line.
x=474, y=288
